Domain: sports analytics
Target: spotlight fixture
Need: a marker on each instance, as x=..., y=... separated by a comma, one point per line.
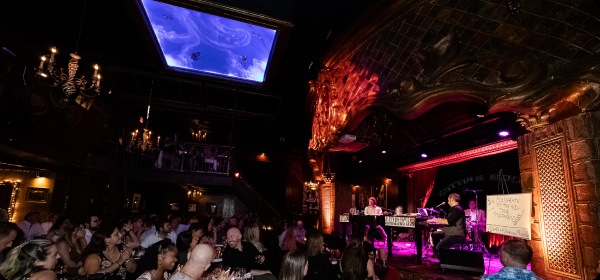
x=384, y=152
x=236, y=174
x=424, y=155
x=503, y=133
x=38, y=175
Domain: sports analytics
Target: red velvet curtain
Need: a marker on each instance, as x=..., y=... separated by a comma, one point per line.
x=420, y=185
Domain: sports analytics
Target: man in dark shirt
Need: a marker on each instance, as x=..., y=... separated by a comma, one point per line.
x=243, y=254
x=454, y=231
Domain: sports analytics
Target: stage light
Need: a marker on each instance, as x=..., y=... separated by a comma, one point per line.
x=503, y=133
x=424, y=155
x=384, y=152
x=236, y=174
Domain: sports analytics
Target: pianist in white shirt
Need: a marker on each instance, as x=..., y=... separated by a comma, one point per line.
x=374, y=210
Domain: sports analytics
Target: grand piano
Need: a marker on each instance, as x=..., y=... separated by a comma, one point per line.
x=416, y=222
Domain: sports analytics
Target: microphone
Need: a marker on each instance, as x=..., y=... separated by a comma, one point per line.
x=440, y=205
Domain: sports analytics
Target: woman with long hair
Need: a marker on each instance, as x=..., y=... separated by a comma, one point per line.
x=31, y=260
x=319, y=264
x=289, y=240
x=185, y=244
x=294, y=266
x=355, y=263
x=105, y=254
x=157, y=260
x=130, y=237
x=201, y=233
x=252, y=235
x=71, y=246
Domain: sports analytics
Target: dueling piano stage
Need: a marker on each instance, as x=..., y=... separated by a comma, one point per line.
x=417, y=222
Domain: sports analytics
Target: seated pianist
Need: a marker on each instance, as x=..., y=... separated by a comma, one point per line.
x=454, y=230
x=377, y=233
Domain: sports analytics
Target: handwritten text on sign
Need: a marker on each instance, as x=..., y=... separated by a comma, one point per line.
x=509, y=214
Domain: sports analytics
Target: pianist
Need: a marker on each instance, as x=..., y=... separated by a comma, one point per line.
x=454, y=230
x=377, y=233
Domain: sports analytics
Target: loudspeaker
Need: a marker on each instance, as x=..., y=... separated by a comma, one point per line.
x=462, y=260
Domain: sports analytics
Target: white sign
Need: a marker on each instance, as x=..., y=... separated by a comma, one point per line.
x=509, y=214
x=344, y=218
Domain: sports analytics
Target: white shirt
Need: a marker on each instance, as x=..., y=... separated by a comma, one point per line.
x=478, y=215
x=373, y=210
x=30, y=230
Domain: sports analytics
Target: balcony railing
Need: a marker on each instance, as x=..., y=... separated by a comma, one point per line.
x=183, y=156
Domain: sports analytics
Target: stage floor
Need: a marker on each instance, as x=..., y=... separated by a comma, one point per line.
x=403, y=259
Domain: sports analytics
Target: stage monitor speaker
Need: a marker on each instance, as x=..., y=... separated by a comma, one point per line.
x=462, y=260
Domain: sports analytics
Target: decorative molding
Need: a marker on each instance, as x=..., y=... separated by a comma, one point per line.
x=481, y=151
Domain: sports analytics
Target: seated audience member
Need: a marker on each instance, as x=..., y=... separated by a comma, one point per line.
x=130, y=237
x=355, y=263
x=70, y=248
x=199, y=261
x=252, y=235
x=515, y=255
x=598, y=270
x=294, y=266
x=200, y=232
x=163, y=230
x=58, y=229
x=8, y=234
x=31, y=260
x=158, y=260
x=105, y=254
x=30, y=225
x=243, y=254
x=319, y=264
x=51, y=220
x=185, y=244
x=91, y=226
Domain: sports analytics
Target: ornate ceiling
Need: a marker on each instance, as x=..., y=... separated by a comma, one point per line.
x=444, y=75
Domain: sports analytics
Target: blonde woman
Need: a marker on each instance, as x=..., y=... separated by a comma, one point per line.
x=32, y=260
x=252, y=235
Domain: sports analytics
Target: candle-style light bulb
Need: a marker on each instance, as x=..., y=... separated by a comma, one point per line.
x=96, y=67
x=52, y=52
x=42, y=63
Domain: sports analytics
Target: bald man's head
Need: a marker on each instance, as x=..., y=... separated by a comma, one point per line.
x=234, y=237
x=202, y=254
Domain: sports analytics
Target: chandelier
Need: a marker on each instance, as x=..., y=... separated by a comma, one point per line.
x=74, y=88
x=311, y=185
x=144, y=142
x=199, y=136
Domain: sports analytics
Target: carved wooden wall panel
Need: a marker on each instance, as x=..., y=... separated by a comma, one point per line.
x=560, y=239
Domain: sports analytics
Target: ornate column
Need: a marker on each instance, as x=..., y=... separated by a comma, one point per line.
x=560, y=166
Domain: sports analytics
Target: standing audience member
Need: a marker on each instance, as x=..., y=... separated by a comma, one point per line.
x=91, y=226
x=199, y=261
x=252, y=235
x=243, y=254
x=158, y=260
x=104, y=255
x=282, y=232
x=32, y=260
x=294, y=266
x=30, y=225
x=289, y=242
x=355, y=263
x=70, y=247
x=515, y=255
x=319, y=265
x=300, y=234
